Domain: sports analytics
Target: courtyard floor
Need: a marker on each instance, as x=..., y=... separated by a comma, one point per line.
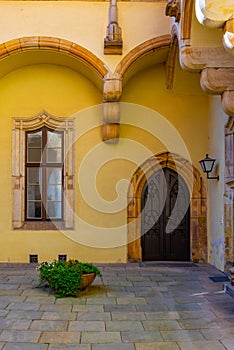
x=139, y=307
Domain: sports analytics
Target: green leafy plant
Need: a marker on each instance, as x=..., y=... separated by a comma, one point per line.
x=65, y=277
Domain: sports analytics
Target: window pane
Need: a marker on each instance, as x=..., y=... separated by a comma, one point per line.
x=35, y=139
x=54, y=192
x=34, y=210
x=54, y=140
x=54, y=210
x=54, y=147
x=34, y=176
x=54, y=176
x=33, y=192
x=34, y=155
x=54, y=155
x=34, y=147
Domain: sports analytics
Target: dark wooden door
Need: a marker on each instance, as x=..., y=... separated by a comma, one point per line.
x=165, y=217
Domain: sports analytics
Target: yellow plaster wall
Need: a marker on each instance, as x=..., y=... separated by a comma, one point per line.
x=83, y=23
x=103, y=171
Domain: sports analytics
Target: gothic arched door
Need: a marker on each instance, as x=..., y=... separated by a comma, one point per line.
x=165, y=217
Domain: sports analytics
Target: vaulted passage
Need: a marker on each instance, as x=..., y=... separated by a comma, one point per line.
x=165, y=217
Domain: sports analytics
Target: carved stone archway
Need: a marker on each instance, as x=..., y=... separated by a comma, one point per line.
x=198, y=202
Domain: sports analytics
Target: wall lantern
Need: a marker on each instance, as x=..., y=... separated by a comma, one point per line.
x=207, y=165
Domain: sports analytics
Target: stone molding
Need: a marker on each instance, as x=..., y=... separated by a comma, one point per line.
x=20, y=126
x=198, y=225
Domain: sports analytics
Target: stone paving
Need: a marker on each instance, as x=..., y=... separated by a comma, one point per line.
x=154, y=306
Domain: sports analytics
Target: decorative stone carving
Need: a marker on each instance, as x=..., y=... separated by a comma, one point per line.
x=113, y=42
x=173, y=9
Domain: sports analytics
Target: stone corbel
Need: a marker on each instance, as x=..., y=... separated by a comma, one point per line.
x=111, y=107
x=113, y=42
x=220, y=82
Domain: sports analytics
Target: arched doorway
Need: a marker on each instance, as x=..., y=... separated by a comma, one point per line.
x=197, y=209
x=165, y=217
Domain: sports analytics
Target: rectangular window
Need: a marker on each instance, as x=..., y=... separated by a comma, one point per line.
x=44, y=175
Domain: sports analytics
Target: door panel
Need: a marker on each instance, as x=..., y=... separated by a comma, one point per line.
x=165, y=228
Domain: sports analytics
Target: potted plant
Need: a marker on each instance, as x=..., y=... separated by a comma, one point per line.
x=67, y=278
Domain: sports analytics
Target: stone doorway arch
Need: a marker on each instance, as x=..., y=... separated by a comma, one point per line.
x=198, y=204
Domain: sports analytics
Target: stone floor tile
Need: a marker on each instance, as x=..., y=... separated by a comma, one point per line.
x=60, y=337
x=150, y=308
x=182, y=335
x=88, y=308
x=55, y=307
x=101, y=301
x=183, y=307
x=14, y=324
x=201, y=345
x=113, y=347
x=66, y=316
x=218, y=333
x=228, y=343
x=197, y=314
x=86, y=326
x=157, y=346
x=201, y=323
x=24, y=315
x=128, y=316
x=20, y=336
x=115, y=326
x=93, y=316
x=161, y=325
x=120, y=307
x=135, y=300
x=23, y=306
x=100, y=337
x=162, y=315
x=141, y=336
x=69, y=347
x=48, y=325
x=71, y=301
x=25, y=346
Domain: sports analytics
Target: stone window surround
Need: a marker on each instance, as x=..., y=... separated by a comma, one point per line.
x=20, y=126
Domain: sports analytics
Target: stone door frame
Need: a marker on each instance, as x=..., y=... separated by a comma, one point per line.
x=198, y=204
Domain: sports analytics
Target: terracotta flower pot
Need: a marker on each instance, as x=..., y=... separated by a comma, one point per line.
x=87, y=279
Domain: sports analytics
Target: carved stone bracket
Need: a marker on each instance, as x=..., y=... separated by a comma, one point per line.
x=220, y=81
x=113, y=42
x=111, y=107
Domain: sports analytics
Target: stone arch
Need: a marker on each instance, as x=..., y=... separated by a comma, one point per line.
x=67, y=53
x=198, y=204
x=151, y=45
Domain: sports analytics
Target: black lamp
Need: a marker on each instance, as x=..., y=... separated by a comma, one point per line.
x=207, y=165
